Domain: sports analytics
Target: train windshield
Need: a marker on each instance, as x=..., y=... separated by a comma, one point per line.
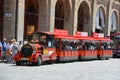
x=39, y=37
x=44, y=39
x=35, y=37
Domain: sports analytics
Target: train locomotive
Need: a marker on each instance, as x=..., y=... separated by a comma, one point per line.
x=60, y=47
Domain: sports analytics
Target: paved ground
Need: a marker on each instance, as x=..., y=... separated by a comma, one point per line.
x=86, y=70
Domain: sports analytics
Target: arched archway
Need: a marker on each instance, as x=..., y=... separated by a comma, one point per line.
x=31, y=17
x=113, y=23
x=63, y=11
x=100, y=21
x=59, y=15
x=1, y=18
x=84, y=17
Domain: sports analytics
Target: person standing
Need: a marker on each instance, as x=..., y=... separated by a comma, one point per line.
x=9, y=51
x=4, y=49
x=15, y=49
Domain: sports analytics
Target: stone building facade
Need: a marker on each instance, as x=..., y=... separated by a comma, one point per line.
x=20, y=17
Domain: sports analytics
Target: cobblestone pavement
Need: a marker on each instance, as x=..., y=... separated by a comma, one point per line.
x=85, y=70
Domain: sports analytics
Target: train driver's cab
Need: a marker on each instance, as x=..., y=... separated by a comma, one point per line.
x=44, y=39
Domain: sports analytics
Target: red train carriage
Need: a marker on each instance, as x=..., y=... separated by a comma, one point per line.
x=105, y=50
x=89, y=49
x=66, y=48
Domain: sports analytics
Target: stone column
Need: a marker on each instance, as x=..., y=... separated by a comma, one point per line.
x=109, y=18
x=51, y=15
x=75, y=16
x=20, y=26
x=9, y=19
x=93, y=15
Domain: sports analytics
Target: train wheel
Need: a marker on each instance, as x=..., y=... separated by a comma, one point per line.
x=51, y=62
x=114, y=56
x=39, y=61
x=79, y=58
x=18, y=63
x=99, y=57
x=107, y=58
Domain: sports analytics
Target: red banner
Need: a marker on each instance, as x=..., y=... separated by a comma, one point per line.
x=82, y=34
x=98, y=35
x=60, y=32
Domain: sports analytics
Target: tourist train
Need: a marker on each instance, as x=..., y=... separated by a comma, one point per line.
x=61, y=47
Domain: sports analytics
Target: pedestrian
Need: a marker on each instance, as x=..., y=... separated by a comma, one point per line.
x=15, y=49
x=9, y=52
x=4, y=49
